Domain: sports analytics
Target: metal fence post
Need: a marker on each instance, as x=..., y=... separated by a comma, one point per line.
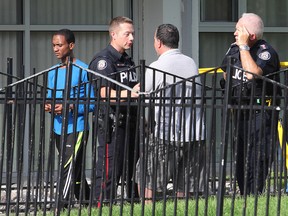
x=142, y=134
x=9, y=134
x=224, y=139
x=65, y=102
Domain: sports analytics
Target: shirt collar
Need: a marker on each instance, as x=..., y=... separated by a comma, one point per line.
x=116, y=55
x=169, y=52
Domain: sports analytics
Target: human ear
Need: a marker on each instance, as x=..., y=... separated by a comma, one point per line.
x=71, y=46
x=252, y=37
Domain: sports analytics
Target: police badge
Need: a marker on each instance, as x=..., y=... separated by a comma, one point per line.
x=102, y=64
x=264, y=55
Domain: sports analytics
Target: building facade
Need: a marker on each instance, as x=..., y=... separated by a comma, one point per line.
x=206, y=28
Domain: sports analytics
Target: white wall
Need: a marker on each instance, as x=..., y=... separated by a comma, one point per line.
x=176, y=12
x=152, y=17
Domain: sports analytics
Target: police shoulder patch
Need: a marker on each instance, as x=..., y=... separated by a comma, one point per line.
x=102, y=64
x=264, y=55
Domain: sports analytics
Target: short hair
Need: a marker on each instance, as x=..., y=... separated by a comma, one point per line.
x=67, y=33
x=168, y=34
x=115, y=22
x=254, y=24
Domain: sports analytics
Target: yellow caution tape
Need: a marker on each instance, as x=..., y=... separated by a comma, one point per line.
x=202, y=70
x=280, y=134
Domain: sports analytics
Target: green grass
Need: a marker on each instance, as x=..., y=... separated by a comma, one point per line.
x=210, y=208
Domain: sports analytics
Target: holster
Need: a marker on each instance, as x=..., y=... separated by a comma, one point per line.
x=105, y=126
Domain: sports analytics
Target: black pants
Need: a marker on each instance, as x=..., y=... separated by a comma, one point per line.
x=74, y=148
x=116, y=159
x=254, y=149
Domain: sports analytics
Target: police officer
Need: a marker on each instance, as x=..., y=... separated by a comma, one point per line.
x=251, y=53
x=113, y=128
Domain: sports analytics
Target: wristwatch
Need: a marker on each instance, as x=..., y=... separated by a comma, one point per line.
x=244, y=47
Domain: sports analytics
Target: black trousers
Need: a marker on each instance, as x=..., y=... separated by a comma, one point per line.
x=254, y=148
x=74, y=151
x=117, y=157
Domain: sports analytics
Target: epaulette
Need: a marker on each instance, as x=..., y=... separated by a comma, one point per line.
x=233, y=45
x=263, y=47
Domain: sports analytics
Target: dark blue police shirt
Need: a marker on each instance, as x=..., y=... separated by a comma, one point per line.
x=265, y=57
x=120, y=67
x=111, y=63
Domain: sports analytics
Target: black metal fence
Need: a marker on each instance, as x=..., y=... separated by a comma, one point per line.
x=191, y=139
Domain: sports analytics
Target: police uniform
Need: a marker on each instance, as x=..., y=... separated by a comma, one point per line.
x=264, y=56
x=267, y=59
x=111, y=136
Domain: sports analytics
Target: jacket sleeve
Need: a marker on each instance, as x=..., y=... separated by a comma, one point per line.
x=86, y=94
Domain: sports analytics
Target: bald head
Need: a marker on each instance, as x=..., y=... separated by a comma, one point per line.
x=253, y=24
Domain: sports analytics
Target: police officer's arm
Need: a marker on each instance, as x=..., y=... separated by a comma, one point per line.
x=248, y=64
x=123, y=94
x=224, y=62
x=224, y=75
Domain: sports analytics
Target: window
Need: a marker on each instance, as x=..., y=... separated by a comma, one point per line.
x=217, y=25
x=10, y=12
x=221, y=10
x=67, y=12
x=273, y=14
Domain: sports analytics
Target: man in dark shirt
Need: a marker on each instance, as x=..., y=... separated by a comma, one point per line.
x=116, y=126
x=252, y=57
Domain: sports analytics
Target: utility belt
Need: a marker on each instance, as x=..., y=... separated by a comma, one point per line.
x=245, y=113
x=106, y=125
x=112, y=120
x=247, y=101
x=267, y=102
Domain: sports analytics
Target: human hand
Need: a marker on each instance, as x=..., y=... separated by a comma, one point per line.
x=47, y=107
x=136, y=89
x=242, y=36
x=58, y=109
